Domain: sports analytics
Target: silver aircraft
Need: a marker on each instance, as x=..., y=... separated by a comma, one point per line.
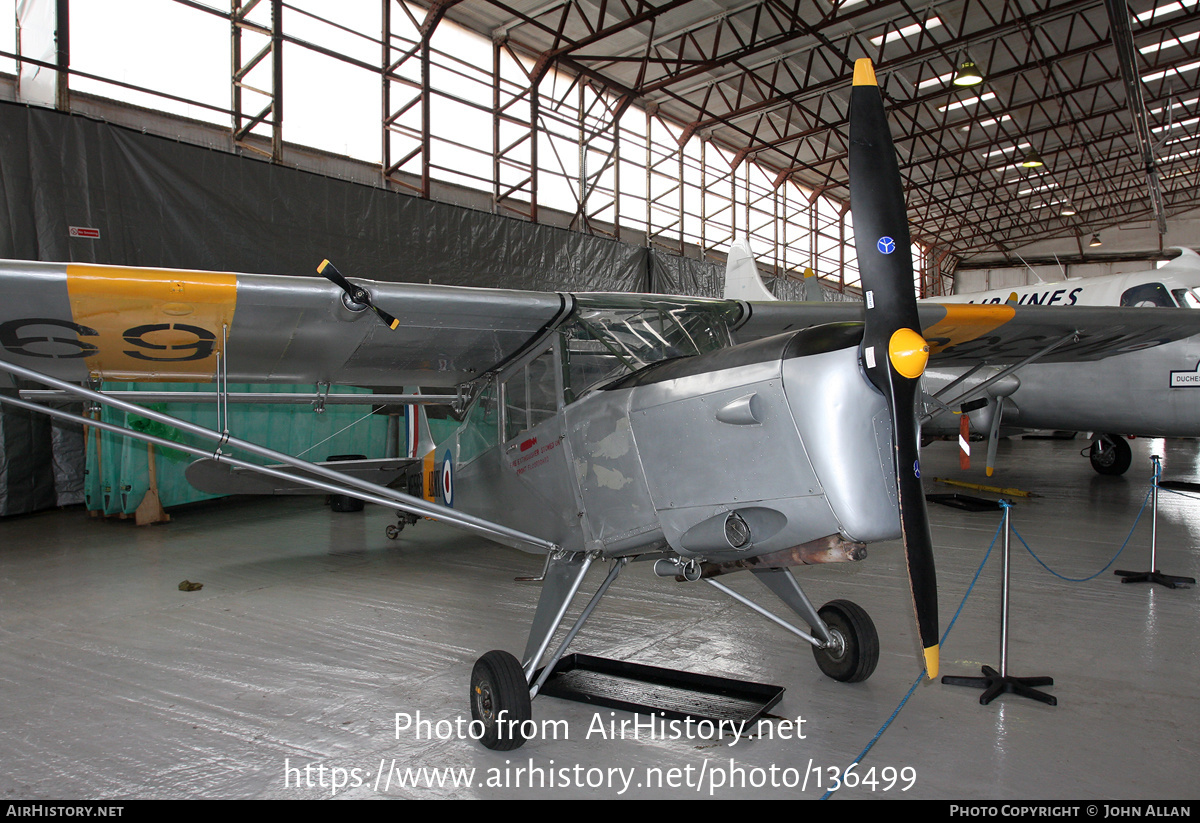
x=1150, y=390
x=706, y=436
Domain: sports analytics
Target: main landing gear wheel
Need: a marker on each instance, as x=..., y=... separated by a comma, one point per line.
x=500, y=700
x=1110, y=454
x=855, y=651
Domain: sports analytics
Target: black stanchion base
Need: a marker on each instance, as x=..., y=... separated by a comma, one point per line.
x=1168, y=580
x=995, y=684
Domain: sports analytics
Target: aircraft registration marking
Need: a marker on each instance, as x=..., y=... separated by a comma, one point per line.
x=181, y=316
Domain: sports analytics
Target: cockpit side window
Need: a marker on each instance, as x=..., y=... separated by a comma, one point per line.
x=1148, y=294
x=531, y=395
x=1186, y=298
x=481, y=429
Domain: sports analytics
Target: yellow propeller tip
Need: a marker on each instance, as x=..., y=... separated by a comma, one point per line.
x=393, y=325
x=321, y=268
x=864, y=72
x=989, y=471
x=931, y=662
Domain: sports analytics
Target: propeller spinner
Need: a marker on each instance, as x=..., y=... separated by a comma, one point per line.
x=892, y=352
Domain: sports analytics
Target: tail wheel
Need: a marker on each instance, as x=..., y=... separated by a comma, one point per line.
x=500, y=700
x=852, y=657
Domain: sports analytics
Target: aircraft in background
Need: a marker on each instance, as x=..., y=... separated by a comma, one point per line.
x=709, y=436
x=1173, y=285
x=1150, y=390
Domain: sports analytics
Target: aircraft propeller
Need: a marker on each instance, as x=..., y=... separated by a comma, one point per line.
x=893, y=352
x=356, y=294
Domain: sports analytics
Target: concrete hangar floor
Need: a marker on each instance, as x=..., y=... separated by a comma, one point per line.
x=283, y=676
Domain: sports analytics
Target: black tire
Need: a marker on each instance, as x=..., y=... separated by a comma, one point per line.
x=1110, y=455
x=341, y=502
x=500, y=700
x=855, y=659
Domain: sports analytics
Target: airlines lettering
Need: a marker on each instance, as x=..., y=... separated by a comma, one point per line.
x=1055, y=297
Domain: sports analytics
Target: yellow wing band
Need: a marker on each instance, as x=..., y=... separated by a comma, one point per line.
x=156, y=324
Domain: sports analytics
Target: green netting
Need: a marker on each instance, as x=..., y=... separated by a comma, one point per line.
x=117, y=473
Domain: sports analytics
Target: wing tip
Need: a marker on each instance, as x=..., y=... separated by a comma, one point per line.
x=864, y=72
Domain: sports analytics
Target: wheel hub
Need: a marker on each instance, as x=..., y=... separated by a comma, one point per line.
x=836, y=647
x=484, y=702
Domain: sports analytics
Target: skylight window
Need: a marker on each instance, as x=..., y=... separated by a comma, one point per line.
x=907, y=31
x=1037, y=188
x=1177, y=125
x=940, y=80
x=968, y=101
x=1182, y=104
x=1170, y=43
x=991, y=121
x=1159, y=75
x=1180, y=156
x=994, y=152
x=1165, y=9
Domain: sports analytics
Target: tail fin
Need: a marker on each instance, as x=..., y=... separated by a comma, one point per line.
x=741, y=277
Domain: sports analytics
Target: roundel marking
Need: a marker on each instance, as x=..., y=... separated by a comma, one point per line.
x=448, y=478
x=886, y=245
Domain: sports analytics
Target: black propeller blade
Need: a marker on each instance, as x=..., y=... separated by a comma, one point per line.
x=893, y=352
x=357, y=294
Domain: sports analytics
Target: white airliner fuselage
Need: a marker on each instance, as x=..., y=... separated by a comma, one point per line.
x=1153, y=392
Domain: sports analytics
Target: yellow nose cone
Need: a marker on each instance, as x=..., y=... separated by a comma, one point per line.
x=908, y=352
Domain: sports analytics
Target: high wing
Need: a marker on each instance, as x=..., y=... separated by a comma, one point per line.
x=965, y=334
x=80, y=321
x=75, y=321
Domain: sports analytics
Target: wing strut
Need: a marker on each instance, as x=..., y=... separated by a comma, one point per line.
x=328, y=479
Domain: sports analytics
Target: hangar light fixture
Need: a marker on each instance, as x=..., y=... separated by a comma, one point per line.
x=1068, y=211
x=968, y=74
x=1095, y=241
x=1032, y=160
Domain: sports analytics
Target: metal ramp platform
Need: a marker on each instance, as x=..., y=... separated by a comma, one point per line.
x=666, y=693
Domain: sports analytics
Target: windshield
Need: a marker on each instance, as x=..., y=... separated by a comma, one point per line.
x=613, y=336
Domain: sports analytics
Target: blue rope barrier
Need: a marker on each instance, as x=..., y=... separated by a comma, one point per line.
x=917, y=682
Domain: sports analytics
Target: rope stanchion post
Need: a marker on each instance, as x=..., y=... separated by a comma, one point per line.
x=995, y=683
x=1154, y=575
